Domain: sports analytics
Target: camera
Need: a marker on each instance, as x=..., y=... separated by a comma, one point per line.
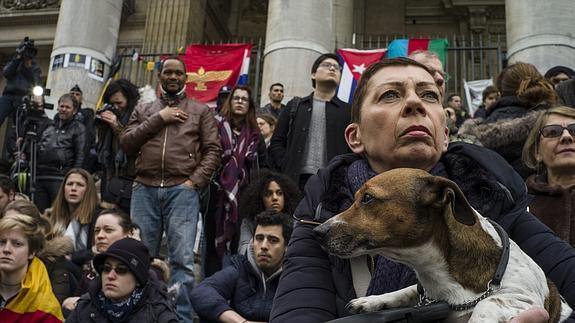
x=32, y=104
x=108, y=107
x=27, y=48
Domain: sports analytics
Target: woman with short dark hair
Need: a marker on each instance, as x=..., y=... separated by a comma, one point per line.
x=125, y=291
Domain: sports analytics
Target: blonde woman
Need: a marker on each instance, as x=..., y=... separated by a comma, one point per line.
x=25, y=290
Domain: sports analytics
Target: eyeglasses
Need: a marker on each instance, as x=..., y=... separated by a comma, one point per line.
x=240, y=99
x=555, y=130
x=328, y=66
x=120, y=269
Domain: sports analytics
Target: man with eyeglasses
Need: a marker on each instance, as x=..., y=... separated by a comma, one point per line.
x=276, y=96
x=310, y=130
x=178, y=148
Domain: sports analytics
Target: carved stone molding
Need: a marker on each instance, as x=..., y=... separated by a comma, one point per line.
x=28, y=4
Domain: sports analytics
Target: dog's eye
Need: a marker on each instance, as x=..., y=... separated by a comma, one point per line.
x=366, y=198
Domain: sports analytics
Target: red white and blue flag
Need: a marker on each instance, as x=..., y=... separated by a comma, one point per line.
x=354, y=62
x=209, y=67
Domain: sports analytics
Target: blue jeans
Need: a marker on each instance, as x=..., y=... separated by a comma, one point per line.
x=175, y=210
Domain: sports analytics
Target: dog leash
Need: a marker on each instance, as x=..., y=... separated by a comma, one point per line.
x=492, y=285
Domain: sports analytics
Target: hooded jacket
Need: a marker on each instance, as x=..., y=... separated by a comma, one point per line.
x=241, y=287
x=315, y=287
x=35, y=301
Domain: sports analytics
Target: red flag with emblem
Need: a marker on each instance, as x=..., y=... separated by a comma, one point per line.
x=209, y=67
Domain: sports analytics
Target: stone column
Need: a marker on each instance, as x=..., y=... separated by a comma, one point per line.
x=298, y=31
x=172, y=24
x=541, y=32
x=343, y=12
x=89, y=30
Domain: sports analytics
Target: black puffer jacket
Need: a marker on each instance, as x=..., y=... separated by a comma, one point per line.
x=61, y=148
x=152, y=307
x=315, y=287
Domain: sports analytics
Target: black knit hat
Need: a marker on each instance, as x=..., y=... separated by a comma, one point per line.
x=131, y=253
x=558, y=70
x=76, y=88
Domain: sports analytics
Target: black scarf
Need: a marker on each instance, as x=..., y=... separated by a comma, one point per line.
x=118, y=311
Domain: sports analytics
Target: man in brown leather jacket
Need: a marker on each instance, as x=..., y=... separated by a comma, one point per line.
x=176, y=139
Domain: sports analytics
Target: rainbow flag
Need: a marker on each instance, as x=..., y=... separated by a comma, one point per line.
x=404, y=47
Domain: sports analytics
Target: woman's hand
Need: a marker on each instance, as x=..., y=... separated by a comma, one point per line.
x=70, y=303
x=110, y=118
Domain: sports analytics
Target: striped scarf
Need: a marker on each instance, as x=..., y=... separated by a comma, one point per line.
x=233, y=175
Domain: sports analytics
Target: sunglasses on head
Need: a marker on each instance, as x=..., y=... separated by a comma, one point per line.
x=555, y=130
x=120, y=269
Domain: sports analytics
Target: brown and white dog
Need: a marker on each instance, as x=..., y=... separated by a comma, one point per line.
x=425, y=222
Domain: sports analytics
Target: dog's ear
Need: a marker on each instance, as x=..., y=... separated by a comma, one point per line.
x=450, y=196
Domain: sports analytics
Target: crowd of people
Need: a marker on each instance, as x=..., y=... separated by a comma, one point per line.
x=160, y=208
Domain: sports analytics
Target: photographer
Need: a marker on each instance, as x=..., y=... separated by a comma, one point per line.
x=120, y=98
x=21, y=74
x=61, y=148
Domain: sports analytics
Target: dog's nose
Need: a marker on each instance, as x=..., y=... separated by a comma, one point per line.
x=320, y=232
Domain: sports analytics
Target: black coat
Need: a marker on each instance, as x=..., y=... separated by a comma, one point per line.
x=287, y=147
x=61, y=148
x=237, y=287
x=505, y=109
x=19, y=78
x=152, y=307
x=315, y=287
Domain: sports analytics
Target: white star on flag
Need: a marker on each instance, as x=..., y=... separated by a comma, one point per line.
x=358, y=68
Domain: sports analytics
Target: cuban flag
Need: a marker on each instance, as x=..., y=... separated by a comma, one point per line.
x=354, y=62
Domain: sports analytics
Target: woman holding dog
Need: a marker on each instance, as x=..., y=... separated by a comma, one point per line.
x=398, y=122
x=550, y=150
